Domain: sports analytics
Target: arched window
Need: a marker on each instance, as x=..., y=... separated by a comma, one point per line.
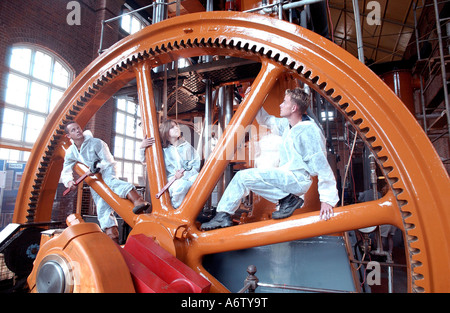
x=35, y=82
x=131, y=23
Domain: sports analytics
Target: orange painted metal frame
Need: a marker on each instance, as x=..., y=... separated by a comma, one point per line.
x=419, y=185
x=96, y=264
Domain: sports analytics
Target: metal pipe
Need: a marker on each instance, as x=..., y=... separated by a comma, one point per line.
x=160, y=14
x=441, y=56
x=353, y=260
x=280, y=9
x=100, y=48
x=359, y=41
x=390, y=279
x=422, y=102
x=209, y=8
x=137, y=10
x=128, y=13
x=300, y=288
x=228, y=114
x=269, y=8
x=294, y=5
x=208, y=119
x=221, y=129
x=160, y=11
x=245, y=288
x=373, y=176
x=447, y=29
x=416, y=31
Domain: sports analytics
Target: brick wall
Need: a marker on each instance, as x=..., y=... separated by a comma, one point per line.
x=44, y=23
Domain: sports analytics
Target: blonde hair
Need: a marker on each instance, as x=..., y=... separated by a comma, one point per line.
x=300, y=98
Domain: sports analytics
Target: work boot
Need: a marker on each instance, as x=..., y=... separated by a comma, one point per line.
x=222, y=219
x=113, y=233
x=140, y=205
x=287, y=206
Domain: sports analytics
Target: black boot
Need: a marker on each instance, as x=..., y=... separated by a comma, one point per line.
x=287, y=206
x=222, y=219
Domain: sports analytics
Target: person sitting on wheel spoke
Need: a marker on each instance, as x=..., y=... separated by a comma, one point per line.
x=86, y=149
x=302, y=155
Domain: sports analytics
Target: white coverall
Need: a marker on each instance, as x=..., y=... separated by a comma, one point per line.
x=93, y=149
x=302, y=155
x=175, y=158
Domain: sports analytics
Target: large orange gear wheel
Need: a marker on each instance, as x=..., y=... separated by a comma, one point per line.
x=419, y=185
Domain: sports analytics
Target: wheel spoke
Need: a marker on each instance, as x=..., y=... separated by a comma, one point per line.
x=123, y=207
x=153, y=155
x=301, y=226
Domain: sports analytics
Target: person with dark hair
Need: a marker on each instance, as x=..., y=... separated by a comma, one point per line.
x=302, y=154
x=94, y=152
x=181, y=160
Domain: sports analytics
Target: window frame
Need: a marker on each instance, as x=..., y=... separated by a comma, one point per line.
x=26, y=110
x=133, y=16
x=122, y=159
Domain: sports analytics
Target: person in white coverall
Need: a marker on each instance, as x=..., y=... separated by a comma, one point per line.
x=178, y=154
x=94, y=152
x=302, y=154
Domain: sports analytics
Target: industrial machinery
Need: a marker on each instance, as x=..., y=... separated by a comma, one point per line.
x=419, y=186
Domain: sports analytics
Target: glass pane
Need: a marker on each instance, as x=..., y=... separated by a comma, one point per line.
x=60, y=75
x=131, y=107
x=136, y=25
x=54, y=98
x=38, y=97
x=139, y=131
x=121, y=104
x=20, y=60
x=16, y=90
x=42, y=66
x=138, y=175
x=118, y=147
x=119, y=168
x=120, y=123
x=128, y=171
x=137, y=148
x=25, y=156
x=183, y=63
x=10, y=155
x=130, y=130
x=129, y=149
x=34, y=127
x=12, y=124
x=4, y=154
x=125, y=23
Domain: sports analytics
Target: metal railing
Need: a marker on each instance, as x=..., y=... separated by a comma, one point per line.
x=252, y=282
x=156, y=3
